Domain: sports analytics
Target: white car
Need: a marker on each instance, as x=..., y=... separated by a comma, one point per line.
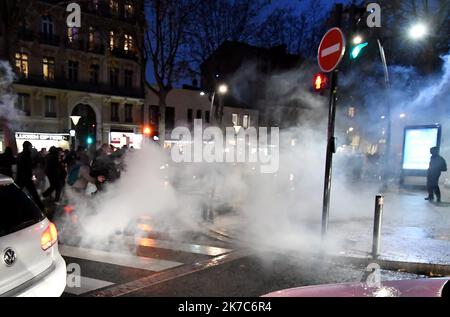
x=30, y=263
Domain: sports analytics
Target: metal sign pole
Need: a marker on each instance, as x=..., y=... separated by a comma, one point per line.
x=331, y=149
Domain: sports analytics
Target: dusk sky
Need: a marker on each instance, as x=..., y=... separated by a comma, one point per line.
x=297, y=5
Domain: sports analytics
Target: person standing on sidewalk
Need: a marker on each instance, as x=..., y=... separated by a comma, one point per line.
x=24, y=176
x=437, y=165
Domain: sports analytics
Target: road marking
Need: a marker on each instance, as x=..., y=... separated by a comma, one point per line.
x=136, y=285
x=330, y=50
x=121, y=259
x=178, y=246
x=87, y=284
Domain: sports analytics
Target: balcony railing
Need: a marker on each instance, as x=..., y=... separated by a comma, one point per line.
x=74, y=44
x=49, y=39
x=96, y=49
x=64, y=83
x=50, y=114
x=25, y=35
x=121, y=53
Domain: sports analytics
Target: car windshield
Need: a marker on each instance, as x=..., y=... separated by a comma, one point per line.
x=17, y=211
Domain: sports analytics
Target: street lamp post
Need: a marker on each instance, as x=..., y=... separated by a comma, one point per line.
x=388, y=116
x=75, y=121
x=416, y=32
x=222, y=90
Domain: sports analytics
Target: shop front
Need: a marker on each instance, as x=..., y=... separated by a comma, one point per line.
x=43, y=140
x=118, y=139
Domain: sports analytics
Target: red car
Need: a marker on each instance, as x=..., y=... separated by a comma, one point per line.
x=428, y=287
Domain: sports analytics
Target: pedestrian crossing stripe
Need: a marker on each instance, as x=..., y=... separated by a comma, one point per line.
x=120, y=259
x=86, y=285
x=178, y=246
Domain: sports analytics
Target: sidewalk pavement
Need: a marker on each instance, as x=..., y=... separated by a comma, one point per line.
x=415, y=234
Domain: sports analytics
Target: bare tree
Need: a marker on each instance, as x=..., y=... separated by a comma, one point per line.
x=217, y=21
x=399, y=16
x=12, y=13
x=299, y=31
x=167, y=23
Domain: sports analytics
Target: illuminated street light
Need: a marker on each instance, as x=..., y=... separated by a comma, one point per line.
x=418, y=31
x=357, y=40
x=75, y=120
x=223, y=89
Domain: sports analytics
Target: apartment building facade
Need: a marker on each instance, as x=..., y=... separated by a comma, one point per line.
x=94, y=72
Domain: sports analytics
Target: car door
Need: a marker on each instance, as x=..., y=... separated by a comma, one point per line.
x=21, y=227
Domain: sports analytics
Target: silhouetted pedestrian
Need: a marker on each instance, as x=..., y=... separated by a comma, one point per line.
x=437, y=165
x=7, y=160
x=53, y=170
x=24, y=177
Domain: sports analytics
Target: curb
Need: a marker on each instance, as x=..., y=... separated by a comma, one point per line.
x=420, y=268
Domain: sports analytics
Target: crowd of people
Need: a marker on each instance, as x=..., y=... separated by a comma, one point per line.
x=45, y=174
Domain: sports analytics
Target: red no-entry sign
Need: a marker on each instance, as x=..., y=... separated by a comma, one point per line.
x=331, y=50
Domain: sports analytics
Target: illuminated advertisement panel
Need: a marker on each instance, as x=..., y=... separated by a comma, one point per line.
x=417, y=143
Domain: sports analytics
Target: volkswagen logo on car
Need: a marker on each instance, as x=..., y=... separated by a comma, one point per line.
x=9, y=257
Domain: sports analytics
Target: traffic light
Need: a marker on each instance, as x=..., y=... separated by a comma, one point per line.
x=320, y=82
x=89, y=140
x=357, y=49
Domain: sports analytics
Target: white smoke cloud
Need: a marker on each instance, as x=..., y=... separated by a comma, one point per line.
x=7, y=96
x=283, y=209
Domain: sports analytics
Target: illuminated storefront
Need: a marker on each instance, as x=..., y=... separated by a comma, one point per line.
x=43, y=140
x=119, y=139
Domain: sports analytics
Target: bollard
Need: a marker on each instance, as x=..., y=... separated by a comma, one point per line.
x=379, y=202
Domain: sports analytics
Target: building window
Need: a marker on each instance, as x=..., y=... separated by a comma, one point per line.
x=351, y=112
x=47, y=25
x=114, y=77
x=154, y=115
x=189, y=116
x=170, y=118
x=50, y=106
x=128, y=43
x=93, y=5
x=129, y=9
x=128, y=83
x=23, y=104
x=22, y=64
x=198, y=115
x=48, y=68
x=235, y=119
x=91, y=38
x=114, y=6
x=114, y=112
x=246, y=121
x=128, y=113
x=72, y=34
x=94, y=71
x=207, y=116
x=112, y=40
x=73, y=71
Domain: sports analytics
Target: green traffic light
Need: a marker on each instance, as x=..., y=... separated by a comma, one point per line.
x=357, y=50
x=89, y=140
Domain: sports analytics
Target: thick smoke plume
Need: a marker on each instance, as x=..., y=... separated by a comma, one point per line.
x=283, y=209
x=7, y=97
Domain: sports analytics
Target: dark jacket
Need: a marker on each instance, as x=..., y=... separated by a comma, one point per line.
x=6, y=162
x=437, y=165
x=24, y=167
x=53, y=165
